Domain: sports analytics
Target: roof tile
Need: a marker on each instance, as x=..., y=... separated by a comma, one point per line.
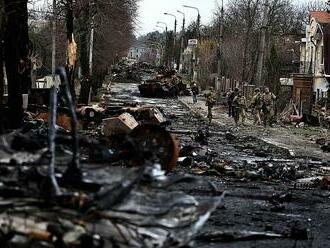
x=320, y=16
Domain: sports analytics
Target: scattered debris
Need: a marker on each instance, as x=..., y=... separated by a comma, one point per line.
x=166, y=84
x=230, y=236
x=73, y=204
x=130, y=71
x=122, y=124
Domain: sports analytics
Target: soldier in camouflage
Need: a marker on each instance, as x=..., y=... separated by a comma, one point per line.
x=268, y=107
x=240, y=106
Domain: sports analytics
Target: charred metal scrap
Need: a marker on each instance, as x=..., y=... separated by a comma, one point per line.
x=164, y=84
x=154, y=81
x=69, y=204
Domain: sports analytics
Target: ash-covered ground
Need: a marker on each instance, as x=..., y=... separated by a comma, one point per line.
x=275, y=195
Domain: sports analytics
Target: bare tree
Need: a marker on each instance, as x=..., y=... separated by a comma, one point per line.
x=113, y=22
x=16, y=50
x=243, y=25
x=2, y=29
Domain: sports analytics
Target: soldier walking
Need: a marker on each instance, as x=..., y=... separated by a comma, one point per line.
x=268, y=107
x=210, y=101
x=194, y=91
x=230, y=100
x=240, y=106
x=256, y=106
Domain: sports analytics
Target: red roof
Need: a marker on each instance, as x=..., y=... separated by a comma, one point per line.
x=320, y=16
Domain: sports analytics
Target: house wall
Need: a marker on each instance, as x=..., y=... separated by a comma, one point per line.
x=312, y=58
x=136, y=52
x=302, y=93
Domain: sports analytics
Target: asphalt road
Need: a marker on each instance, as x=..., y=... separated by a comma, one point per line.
x=261, y=180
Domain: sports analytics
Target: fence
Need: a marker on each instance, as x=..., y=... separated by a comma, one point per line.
x=225, y=84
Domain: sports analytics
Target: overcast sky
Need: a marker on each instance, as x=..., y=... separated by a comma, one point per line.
x=152, y=11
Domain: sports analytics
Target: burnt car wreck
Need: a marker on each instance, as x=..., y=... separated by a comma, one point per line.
x=66, y=201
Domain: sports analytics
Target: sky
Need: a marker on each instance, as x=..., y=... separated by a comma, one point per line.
x=151, y=11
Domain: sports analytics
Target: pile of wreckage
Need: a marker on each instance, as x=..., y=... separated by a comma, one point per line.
x=61, y=189
x=167, y=83
x=155, y=81
x=131, y=71
x=290, y=114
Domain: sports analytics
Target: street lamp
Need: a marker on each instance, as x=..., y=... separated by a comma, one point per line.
x=164, y=23
x=174, y=34
x=194, y=56
x=184, y=19
x=174, y=21
x=165, y=53
x=198, y=17
x=182, y=40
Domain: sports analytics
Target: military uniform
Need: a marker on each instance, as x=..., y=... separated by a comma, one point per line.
x=256, y=105
x=268, y=107
x=210, y=101
x=195, y=92
x=239, y=103
x=230, y=102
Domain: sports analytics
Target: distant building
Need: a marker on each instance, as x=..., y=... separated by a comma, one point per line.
x=143, y=53
x=314, y=53
x=136, y=51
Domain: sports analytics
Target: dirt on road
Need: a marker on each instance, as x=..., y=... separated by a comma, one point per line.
x=272, y=177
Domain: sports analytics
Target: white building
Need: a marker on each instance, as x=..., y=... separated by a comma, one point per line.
x=312, y=52
x=137, y=51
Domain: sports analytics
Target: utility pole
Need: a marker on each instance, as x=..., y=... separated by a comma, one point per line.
x=54, y=41
x=262, y=46
x=166, y=44
x=194, y=62
x=174, y=43
x=199, y=25
x=182, y=40
x=174, y=36
x=220, y=43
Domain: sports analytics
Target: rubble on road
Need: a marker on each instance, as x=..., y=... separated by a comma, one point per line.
x=51, y=195
x=131, y=71
x=164, y=84
x=155, y=81
x=111, y=207
x=122, y=124
x=230, y=236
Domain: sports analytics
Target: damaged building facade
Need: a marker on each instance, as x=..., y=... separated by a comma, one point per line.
x=314, y=56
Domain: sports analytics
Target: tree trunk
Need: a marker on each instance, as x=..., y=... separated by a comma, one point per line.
x=16, y=52
x=84, y=60
x=2, y=83
x=245, y=51
x=72, y=48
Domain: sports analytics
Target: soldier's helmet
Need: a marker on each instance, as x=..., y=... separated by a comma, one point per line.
x=256, y=90
x=236, y=89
